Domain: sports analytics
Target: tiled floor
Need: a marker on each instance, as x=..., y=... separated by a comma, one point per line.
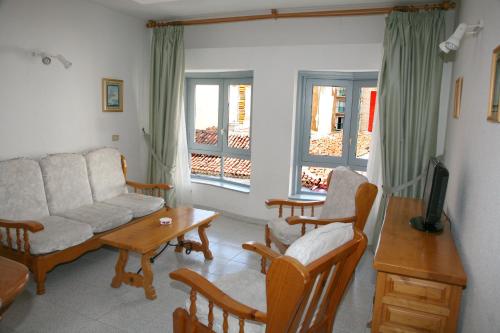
x=79, y=297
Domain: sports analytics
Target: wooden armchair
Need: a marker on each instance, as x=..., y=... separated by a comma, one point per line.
x=293, y=226
x=299, y=298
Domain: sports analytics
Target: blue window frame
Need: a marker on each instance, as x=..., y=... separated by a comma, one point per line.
x=218, y=119
x=333, y=125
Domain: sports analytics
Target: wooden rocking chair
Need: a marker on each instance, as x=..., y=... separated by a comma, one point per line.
x=358, y=196
x=296, y=297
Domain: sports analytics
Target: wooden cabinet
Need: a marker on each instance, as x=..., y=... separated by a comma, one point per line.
x=419, y=275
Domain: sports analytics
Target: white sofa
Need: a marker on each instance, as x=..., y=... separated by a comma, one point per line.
x=69, y=200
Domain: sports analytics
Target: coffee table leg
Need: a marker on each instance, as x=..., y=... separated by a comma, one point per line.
x=120, y=269
x=204, y=242
x=180, y=240
x=147, y=281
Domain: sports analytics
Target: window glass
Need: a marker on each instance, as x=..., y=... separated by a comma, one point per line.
x=240, y=104
x=367, y=100
x=327, y=113
x=206, y=114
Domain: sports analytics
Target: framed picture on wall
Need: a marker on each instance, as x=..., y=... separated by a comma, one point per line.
x=458, y=97
x=112, y=95
x=493, y=103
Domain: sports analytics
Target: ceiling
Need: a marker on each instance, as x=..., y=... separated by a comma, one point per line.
x=182, y=9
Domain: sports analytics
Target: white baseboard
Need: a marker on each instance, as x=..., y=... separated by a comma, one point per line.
x=242, y=218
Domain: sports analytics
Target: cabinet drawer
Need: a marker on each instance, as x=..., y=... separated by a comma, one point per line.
x=397, y=319
x=418, y=290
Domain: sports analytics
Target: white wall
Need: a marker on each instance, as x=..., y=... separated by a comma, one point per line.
x=473, y=158
x=48, y=109
x=276, y=51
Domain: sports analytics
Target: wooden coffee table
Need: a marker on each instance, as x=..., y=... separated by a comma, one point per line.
x=147, y=235
x=13, y=279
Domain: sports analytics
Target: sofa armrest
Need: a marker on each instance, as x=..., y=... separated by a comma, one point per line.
x=213, y=294
x=151, y=189
x=19, y=240
x=32, y=226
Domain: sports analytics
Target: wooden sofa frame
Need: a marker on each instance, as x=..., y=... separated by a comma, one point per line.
x=40, y=265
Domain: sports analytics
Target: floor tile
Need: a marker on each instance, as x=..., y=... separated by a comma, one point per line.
x=80, y=299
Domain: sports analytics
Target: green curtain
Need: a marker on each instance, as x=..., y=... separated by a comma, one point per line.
x=409, y=90
x=166, y=93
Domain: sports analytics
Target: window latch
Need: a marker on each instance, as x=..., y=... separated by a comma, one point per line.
x=222, y=131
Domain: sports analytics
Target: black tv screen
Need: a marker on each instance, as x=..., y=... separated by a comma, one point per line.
x=436, y=181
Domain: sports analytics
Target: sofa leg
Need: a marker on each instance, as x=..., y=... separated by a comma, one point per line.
x=40, y=275
x=180, y=318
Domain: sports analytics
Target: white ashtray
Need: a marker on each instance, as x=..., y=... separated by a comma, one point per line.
x=165, y=220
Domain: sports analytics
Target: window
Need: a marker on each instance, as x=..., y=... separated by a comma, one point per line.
x=334, y=125
x=218, y=119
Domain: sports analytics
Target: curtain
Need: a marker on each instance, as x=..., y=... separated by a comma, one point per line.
x=168, y=162
x=409, y=91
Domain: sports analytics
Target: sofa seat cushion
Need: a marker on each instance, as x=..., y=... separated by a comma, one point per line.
x=320, y=241
x=100, y=216
x=66, y=182
x=253, y=294
x=59, y=233
x=286, y=233
x=105, y=173
x=139, y=204
x=22, y=195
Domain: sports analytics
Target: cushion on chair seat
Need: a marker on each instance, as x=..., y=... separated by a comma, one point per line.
x=286, y=233
x=248, y=287
x=100, y=216
x=59, y=233
x=319, y=242
x=139, y=204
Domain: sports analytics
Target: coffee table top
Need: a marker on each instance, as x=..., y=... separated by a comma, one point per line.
x=147, y=234
x=13, y=278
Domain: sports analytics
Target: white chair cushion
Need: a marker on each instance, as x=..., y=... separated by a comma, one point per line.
x=340, y=199
x=58, y=234
x=105, y=173
x=139, y=204
x=319, y=242
x=286, y=233
x=66, y=182
x=248, y=287
x=22, y=195
x=100, y=216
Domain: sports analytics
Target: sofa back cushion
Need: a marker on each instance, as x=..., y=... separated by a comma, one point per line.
x=22, y=195
x=340, y=199
x=66, y=182
x=105, y=173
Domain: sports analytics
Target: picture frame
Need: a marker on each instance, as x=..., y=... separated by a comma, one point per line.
x=112, y=95
x=494, y=100
x=457, y=99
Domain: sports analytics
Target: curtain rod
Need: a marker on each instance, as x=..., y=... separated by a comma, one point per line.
x=445, y=5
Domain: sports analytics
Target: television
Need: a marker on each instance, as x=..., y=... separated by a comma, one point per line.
x=436, y=181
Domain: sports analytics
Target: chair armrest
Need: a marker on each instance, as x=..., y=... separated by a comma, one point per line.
x=201, y=285
x=32, y=226
x=143, y=186
x=261, y=249
x=313, y=220
x=294, y=203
